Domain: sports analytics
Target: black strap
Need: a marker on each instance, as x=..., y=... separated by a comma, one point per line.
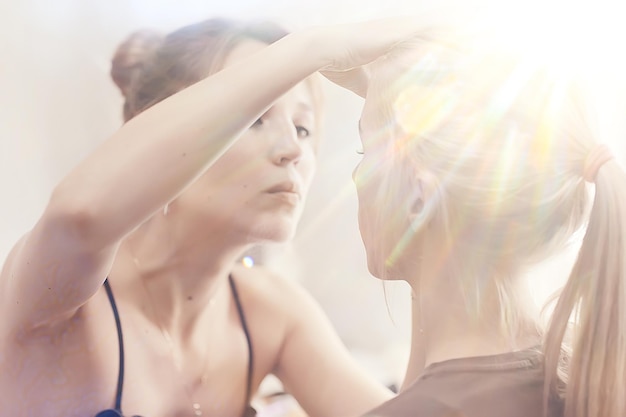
x=244, y=325
x=120, y=338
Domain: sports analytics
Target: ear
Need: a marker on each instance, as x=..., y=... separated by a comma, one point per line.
x=424, y=200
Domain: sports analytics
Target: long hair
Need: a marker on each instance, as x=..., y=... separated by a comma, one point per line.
x=507, y=142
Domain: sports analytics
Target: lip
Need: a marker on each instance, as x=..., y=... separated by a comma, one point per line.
x=286, y=190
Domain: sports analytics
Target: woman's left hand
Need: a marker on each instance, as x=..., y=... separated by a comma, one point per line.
x=355, y=79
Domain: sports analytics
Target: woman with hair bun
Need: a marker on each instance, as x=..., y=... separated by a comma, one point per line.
x=125, y=297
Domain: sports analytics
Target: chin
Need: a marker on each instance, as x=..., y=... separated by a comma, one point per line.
x=273, y=233
x=379, y=269
x=374, y=268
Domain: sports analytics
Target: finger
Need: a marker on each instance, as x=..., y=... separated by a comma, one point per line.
x=355, y=80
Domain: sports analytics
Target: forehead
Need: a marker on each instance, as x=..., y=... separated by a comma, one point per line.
x=377, y=122
x=412, y=93
x=301, y=97
x=378, y=109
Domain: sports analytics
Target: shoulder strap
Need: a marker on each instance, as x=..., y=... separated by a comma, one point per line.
x=244, y=325
x=118, y=324
x=120, y=338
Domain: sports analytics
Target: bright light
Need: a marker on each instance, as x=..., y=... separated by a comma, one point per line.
x=572, y=39
x=247, y=261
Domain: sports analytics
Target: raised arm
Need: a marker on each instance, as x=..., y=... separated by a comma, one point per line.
x=64, y=259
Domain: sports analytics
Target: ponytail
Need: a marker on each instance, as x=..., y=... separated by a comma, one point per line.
x=593, y=304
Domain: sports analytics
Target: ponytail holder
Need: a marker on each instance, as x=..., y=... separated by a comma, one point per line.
x=598, y=156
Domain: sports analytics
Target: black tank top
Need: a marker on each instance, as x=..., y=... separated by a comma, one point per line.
x=117, y=410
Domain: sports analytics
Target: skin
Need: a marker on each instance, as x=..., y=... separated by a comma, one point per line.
x=182, y=336
x=440, y=330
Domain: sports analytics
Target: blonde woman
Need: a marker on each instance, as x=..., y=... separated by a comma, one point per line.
x=476, y=166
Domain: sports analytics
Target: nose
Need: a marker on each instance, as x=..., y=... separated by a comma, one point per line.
x=287, y=146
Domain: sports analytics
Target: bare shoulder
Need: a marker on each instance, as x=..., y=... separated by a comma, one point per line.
x=6, y=276
x=274, y=307
x=300, y=329
x=280, y=301
x=272, y=290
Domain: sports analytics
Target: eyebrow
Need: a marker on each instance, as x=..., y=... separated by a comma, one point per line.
x=306, y=109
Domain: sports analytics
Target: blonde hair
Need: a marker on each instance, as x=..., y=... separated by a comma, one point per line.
x=506, y=142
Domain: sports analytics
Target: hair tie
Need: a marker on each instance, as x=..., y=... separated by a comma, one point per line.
x=598, y=156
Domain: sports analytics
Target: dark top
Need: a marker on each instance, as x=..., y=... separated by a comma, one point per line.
x=117, y=410
x=507, y=385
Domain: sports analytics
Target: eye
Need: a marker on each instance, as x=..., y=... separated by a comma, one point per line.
x=258, y=122
x=303, y=132
x=360, y=151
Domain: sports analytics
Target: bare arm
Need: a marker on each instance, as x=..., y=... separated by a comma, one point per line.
x=317, y=369
x=64, y=259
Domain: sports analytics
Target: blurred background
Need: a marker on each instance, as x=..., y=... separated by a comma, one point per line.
x=58, y=102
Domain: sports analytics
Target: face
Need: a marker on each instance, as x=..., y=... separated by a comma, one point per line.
x=383, y=213
x=256, y=190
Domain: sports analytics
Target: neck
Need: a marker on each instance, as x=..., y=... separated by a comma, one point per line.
x=179, y=278
x=443, y=330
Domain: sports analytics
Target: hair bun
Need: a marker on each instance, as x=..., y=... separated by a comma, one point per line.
x=130, y=56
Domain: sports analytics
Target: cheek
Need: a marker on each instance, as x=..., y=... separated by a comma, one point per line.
x=366, y=177
x=381, y=201
x=367, y=195
x=237, y=161
x=307, y=166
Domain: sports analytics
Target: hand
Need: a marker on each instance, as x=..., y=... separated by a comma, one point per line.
x=348, y=46
x=359, y=44
x=355, y=79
